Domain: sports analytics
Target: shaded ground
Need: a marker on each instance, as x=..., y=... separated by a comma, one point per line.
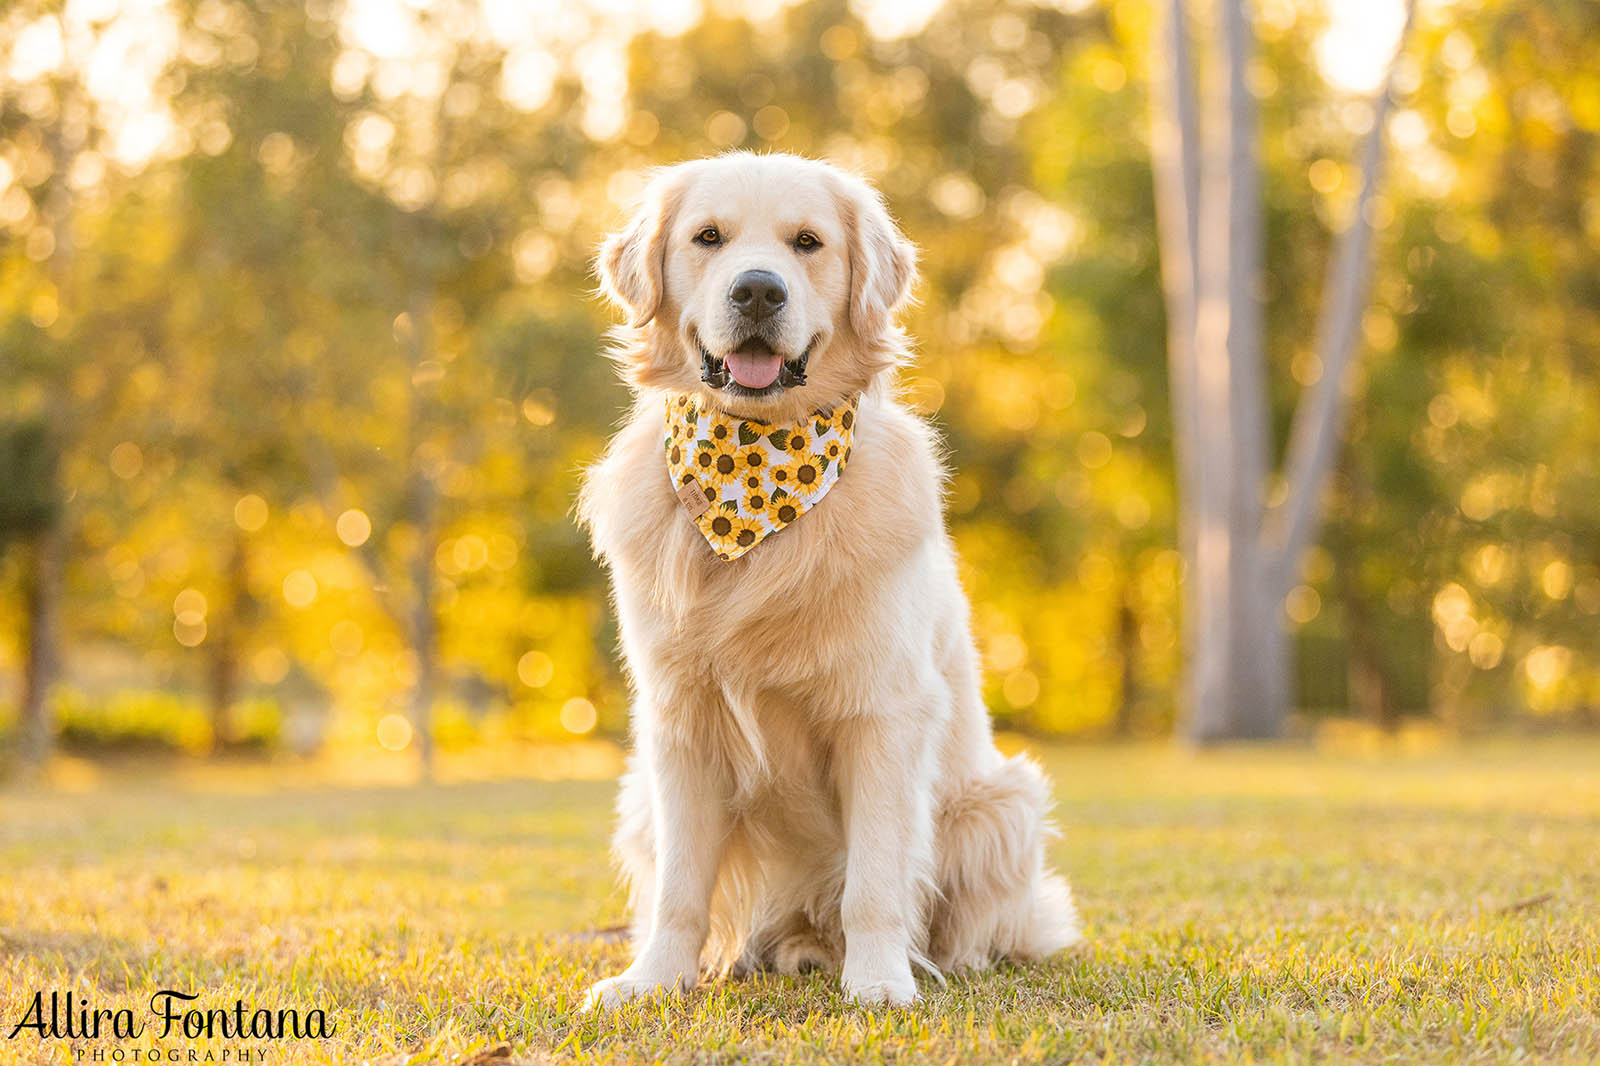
x=1277, y=905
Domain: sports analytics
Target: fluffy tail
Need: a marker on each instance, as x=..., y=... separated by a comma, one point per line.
x=998, y=897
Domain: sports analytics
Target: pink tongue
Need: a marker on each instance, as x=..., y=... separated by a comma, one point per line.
x=754, y=371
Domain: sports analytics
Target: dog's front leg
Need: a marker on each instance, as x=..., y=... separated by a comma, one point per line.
x=888, y=821
x=690, y=808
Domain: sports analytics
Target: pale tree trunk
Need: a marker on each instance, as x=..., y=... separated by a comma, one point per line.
x=1202, y=328
x=1174, y=144
x=1257, y=682
x=1292, y=526
x=1240, y=559
x=1226, y=345
x=1174, y=148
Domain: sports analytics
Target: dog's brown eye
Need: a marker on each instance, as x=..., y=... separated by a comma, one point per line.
x=807, y=241
x=710, y=237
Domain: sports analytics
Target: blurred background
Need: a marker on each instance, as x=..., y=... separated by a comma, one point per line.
x=298, y=351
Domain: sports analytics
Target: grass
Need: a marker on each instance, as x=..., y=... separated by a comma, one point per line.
x=1281, y=905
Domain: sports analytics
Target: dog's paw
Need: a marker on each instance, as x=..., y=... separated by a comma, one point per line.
x=801, y=953
x=615, y=991
x=750, y=964
x=891, y=993
x=880, y=985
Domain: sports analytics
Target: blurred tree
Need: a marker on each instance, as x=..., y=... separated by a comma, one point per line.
x=262, y=380
x=307, y=399
x=58, y=146
x=432, y=136
x=1499, y=289
x=1244, y=549
x=30, y=515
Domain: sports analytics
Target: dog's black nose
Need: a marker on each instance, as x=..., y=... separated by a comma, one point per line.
x=758, y=293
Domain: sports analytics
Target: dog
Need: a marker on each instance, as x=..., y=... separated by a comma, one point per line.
x=814, y=781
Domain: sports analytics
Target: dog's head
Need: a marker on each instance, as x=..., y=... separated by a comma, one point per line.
x=769, y=282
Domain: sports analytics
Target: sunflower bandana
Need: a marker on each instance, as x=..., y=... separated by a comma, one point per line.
x=742, y=480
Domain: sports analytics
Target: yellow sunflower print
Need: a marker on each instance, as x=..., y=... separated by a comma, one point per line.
x=724, y=468
x=782, y=508
x=731, y=533
x=754, y=477
x=808, y=477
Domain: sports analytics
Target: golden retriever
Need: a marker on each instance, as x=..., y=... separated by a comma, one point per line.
x=814, y=782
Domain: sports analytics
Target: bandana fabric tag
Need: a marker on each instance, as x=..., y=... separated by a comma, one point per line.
x=693, y=498
x=741, y=480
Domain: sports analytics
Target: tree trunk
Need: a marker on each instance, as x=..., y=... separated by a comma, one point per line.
x=1368, y=676
x=1371, y=692
x=1314, y=437
x=226, y=642
x=1174, y=146
x=43, y=608
x=1241, y=559
x=1259, y=682
x=1128, y=647
x=423, y=505
x=1449, y=676
x=424, y=634
x=1174, y=139
x=44, y=590
x=1225, y=694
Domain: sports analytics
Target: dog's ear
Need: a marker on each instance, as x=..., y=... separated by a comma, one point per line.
x=883, y=264
x=633, y=260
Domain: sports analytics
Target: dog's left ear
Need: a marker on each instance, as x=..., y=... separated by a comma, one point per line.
x=883, y=264
x=632, y=262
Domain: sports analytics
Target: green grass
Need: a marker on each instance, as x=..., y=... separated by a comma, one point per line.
x=1274, y=905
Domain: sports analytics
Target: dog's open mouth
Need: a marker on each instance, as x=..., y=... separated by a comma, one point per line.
x=754, y=368
x=754, y=364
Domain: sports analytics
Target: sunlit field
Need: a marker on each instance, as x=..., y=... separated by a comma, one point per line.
x=1285, y=905
x=1257, y=337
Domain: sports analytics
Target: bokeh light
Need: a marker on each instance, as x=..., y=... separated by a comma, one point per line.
x=394, y=732
x=250, y=513
x=353, y=528
x=299, y=589
x=578, y=716
x=535, y=669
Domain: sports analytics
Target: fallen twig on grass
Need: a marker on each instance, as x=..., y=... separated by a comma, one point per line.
x=497, y=1055
x=1527, y=904
x=611, y=934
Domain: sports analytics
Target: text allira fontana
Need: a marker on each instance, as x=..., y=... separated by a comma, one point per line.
x=66, y=1015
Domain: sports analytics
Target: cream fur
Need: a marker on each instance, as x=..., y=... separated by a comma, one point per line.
x=815, y=782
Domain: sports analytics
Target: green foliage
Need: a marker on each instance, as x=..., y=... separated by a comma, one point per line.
x=359, y=302
x=157, y=721
x=27, y=455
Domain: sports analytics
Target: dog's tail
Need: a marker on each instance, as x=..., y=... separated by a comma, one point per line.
x=998, y=897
